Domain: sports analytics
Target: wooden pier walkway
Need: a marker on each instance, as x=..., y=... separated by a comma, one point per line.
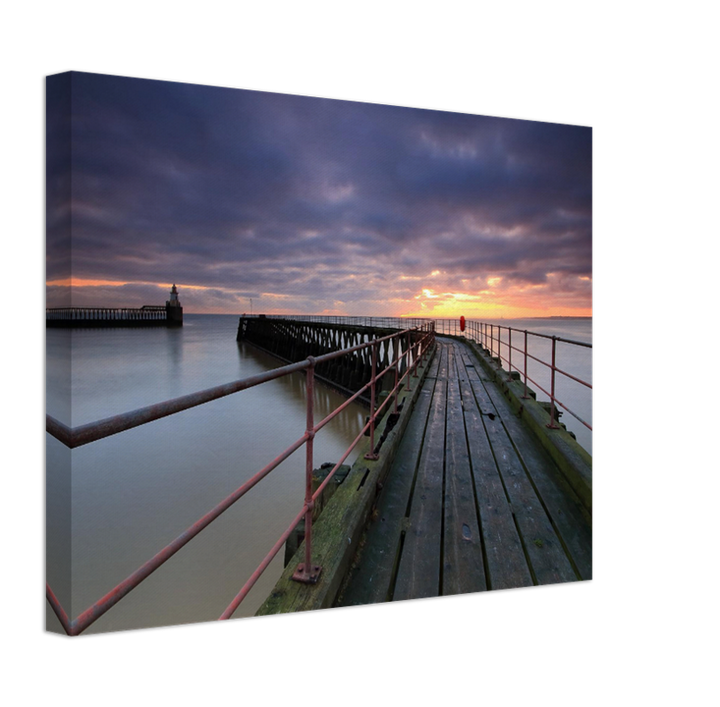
x=472, y=501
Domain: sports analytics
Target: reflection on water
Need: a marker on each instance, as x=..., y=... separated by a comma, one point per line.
x=135, y=492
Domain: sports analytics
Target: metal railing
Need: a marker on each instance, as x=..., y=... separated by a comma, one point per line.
x=489, y=336
x=410, y=347
x=377, y=322
x=121, y=314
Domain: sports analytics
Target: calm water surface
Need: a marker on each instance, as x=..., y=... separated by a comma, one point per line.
x=135, y=492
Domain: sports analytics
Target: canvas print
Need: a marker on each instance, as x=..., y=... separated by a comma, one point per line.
x=307, y=353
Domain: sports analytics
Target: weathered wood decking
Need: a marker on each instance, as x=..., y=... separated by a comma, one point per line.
x=472, y=501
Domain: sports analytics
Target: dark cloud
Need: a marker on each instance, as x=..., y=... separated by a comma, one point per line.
x=307, y=200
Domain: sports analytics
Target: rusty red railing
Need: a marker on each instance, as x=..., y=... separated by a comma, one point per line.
x=406, y=352
x=490, y=337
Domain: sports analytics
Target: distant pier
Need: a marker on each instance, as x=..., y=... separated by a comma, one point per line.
x=170, y=314
x=291, y=340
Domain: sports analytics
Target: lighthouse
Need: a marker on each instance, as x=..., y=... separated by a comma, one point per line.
x=173, y=308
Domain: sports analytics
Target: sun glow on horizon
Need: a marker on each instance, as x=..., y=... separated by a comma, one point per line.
x=83, y=282
x=490, y=297
x=487, y=303
x=79, y=282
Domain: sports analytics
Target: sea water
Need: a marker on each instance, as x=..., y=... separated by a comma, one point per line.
x=135, y=492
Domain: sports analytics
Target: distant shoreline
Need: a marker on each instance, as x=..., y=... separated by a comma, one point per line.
x=230, y=314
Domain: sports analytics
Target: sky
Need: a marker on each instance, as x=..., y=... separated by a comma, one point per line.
x=273, y=203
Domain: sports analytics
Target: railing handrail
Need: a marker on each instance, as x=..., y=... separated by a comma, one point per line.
x=74, y=437
x=376, y=322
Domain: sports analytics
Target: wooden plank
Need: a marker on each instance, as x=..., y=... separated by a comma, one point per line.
x=506, y=563
x=463, y=569
x=544, y=550
x=468, y=361
x=485, y=403
x=443, y=363
x=450, y=363
x=370, y=581
x=562, y=504
x=419, y=569
x=559, y=500
x=433, y=370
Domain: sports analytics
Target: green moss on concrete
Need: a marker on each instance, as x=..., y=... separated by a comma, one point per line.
x=339, y=528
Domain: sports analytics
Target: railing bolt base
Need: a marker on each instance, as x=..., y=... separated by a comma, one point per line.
x=371, y=456
x=300, y=575
x=552, y=426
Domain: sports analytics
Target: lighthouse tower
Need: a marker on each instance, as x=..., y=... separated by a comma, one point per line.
x=173, y=308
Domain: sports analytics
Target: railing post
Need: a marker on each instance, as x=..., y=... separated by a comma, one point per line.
x=371, y=454
x=416, y=361
x=509, y=354
x=552, y=424
x=407, y=367
x=306, y=572
x=397, y=365
x=525, y=394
